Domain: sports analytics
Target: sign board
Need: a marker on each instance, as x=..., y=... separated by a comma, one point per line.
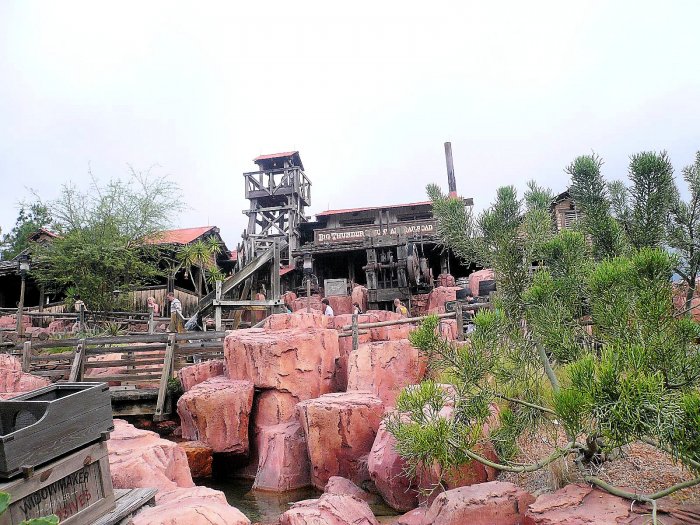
x=77, y=488
x=335, y=287
x=409, y=229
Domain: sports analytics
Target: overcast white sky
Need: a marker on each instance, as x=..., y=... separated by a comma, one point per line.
x=367, y=92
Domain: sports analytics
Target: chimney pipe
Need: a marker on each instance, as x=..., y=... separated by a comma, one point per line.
x=451, y=182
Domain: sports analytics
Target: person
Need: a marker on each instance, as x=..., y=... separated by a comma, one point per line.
x=151, y=303
x=78, y=304
x=176, y=317
x=400, y=308
x=328, y=311
x=356, y=309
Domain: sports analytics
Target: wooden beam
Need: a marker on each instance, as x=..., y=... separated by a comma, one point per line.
x=165, y=376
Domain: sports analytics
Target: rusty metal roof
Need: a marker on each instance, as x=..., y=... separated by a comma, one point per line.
x=370, y=208
x=275, y=155
x=180, y=236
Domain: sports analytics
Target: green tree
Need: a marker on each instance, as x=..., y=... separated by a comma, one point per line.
x=590, y=193
x=30, y=219
x=634, y=377
x=201, y=255
x=102, y=231
x=684, y=229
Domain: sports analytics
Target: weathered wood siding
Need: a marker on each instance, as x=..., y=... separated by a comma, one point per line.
x=139, y=299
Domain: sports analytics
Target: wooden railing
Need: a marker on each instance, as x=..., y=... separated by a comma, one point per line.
x=149, y=359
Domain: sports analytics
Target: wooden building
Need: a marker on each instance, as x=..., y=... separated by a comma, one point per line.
x=564, y=211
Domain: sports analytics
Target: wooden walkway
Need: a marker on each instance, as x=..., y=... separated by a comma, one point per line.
x=127, y=501
x=144, y=365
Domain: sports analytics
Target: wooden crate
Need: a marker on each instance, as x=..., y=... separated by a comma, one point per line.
x=42, y=425
x=77, y=488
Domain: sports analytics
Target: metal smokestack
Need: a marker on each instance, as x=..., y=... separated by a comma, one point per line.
x=451, y=182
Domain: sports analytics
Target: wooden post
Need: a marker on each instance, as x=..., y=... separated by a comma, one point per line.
x=275, y=277
x=27, y=356
x=151, y=321
x=78, y=365
x=308, y=294
x=355, y=333
x=217, y=309
x=460, y=321
x=167, y=372
x=20, y=307
x=81, y=318
x=244, y=295
x=451, y=182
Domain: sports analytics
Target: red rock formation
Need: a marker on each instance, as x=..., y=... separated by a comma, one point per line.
x=283, y=458
x=340, y=428
x=199, y=458
x=581, y=505
x=490, y=503
x=342, y=486
x=298, y=361
x=385, y=368
x=329, y=509
x=13, y=381
x=272, y=407
x=195, y=506
x=193, y=375
x=414, y=517
x=445, y=280
x=341, y=304
x=217, y=412
x=140, y=458
x=59, y=326
x=386, y=469
x=314, y=303
x=10, y=321
x=475, y=278
x=439, y=296
x=300, y=319
x=359, y=296
x=388, y=333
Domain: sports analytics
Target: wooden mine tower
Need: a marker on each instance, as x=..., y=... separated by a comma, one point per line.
x=278, y=193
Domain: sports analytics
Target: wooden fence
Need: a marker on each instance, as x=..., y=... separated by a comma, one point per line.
x=139, y=298
x=148, y=360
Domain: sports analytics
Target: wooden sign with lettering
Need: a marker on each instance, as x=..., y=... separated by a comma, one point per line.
x=413, y=229
x=77, y=488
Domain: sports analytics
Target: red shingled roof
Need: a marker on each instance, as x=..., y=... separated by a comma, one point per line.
x=275, y=155
x=352, y=210
x=181, y=236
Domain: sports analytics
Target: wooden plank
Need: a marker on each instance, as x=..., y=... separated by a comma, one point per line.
x=131, y=377
x=26, y=356
x=60, y=358
x=51, y=373
x=76, y=367
x=247, y=303
x=127, y=502
x=125, y=362
x=398, y=321
x=167, y=371
x=244, y=294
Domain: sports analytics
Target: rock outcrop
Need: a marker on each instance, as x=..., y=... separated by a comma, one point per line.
x=199, y=505
x=329, y=509
x=300, y=319
x=340, y=429
x=342, y=486
x=13, y=381
x=141, y=459
x=359, y=296
x=385, y=368
x=298, y=361
x=216, y=412
x=199, y=458
x=386, y=469
x=475, y=278
x=439, y=296
x=482, y=504
x=194, y=374
x=283, y=463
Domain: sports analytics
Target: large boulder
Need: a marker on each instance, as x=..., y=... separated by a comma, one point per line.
x=413, y=517
x=141, y=459
x=60, y=326
x=385, y=368
x=475, y=278
x=194, y=374
x=283, y=463
x=345, y=345
x=339, y=485
x=13, y=381
x=313, y=302
x=340, y=429
x=300, y=319
x=482, y=504
x=341, y=304
x=298, y=361
x=439, y=296
x=272, y=407
x=10, y=321
x=445, y=280
x=329, y=509
x=359, y=296
x=199, y=458
x=217, y=412
x=387, y=471
x=199, y=505
x=387, y=333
